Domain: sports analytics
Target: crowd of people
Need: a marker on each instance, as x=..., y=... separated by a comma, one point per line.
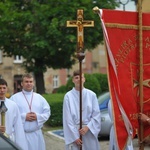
x=27, y=111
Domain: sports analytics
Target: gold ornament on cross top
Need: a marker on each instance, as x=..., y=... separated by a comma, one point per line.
x=80, y=23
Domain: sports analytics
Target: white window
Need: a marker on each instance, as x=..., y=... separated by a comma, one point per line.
x=55, y=81
x=18, y=59
x=0, y=56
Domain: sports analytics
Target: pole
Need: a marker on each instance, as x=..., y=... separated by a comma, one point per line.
x=141, y=147
x=80, y=57
x=80, y=23
x=80, y=105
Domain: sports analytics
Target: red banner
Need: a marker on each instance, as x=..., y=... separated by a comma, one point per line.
x=121, y=34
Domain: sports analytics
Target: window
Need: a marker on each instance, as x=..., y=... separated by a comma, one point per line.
x=55, y=81
x=18, y=59
x=17, y=83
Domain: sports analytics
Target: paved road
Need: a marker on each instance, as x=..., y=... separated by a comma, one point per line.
x=54, y=142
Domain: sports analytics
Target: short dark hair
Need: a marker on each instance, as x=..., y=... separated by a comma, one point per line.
x=76, y=73
x=3, y=82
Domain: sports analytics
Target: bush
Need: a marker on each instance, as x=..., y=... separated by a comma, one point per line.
x=62, y=89
x=69, y=84
x=56, y=104
x=103, y=82
x=92, y=83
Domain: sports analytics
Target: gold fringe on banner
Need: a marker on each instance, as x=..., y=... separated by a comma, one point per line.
x=124, y=26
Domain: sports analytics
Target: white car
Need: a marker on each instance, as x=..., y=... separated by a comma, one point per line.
x=7, y=144
x=105, y=119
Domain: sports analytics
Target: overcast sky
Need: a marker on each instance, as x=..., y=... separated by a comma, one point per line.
x=129, y=7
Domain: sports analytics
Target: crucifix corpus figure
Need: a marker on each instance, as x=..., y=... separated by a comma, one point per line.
x=81, y=124
x=80, y=23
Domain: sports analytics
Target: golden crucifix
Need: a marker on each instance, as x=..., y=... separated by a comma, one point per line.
x=80, y=23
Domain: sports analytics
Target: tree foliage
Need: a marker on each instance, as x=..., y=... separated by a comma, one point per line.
x=92, y=83
x=36, y=30
x=103, y=81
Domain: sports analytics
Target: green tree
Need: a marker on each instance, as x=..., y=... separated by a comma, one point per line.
x=103, y=81
x=92, y=83
x=36, y=30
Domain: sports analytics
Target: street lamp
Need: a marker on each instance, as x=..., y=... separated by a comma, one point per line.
x=124, y=2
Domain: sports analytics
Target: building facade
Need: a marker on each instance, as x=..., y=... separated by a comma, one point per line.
x=11, y=70
x=94, y=62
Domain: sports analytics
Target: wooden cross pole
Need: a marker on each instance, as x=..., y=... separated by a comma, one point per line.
x=80, y=23
x=141, y=129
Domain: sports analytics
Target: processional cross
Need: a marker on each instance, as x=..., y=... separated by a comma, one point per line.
x=80, y=23
x=3, y=110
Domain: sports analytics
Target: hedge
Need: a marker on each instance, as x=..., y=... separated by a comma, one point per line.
x=56, y=103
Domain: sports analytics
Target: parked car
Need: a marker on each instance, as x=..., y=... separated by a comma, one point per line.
x=105, y=119
x=7, y=144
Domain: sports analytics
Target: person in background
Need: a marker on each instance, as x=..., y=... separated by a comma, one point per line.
x=91, y=120
x=13, y=128
x=112, y=137
x=34, y=110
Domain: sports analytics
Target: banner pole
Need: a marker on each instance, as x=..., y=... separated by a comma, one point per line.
x=141, y=146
